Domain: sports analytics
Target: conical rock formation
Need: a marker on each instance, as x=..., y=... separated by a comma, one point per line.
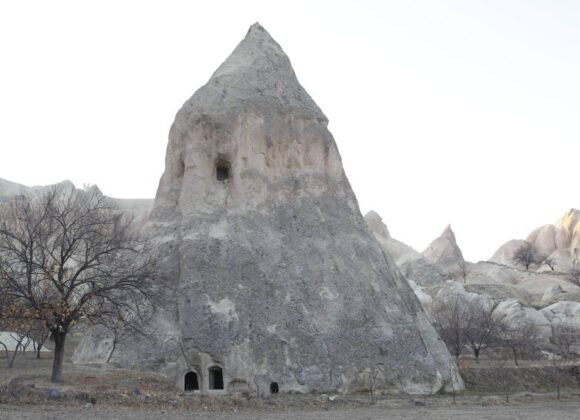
x=279, y=284
x=445, y=252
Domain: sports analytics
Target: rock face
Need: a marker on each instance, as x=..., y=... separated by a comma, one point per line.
x=517, y=315
x=279, y=284
x=414, y=266
x=445, y=252
x=9, y=189
x=529, y=283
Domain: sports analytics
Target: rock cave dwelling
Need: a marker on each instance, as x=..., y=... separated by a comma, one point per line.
x=279, y=284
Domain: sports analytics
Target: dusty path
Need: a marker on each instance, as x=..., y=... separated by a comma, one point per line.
x=540, y=411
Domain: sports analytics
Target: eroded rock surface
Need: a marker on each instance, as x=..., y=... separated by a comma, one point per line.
x=445, y=252
x=277, y=278
x=414, y=266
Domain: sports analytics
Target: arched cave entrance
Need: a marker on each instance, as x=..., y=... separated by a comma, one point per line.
x=274, y=388
x=216, y=378
x=190, y=382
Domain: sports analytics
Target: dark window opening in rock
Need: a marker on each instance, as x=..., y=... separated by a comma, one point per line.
x=216, y=378
x=274, y=388
x=222, y=170
x=190, y=382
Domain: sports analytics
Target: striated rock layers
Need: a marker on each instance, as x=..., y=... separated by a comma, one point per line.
x=279, y=284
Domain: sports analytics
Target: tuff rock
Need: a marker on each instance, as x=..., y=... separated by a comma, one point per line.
x=445, y=252
x=414, y=266
x=277, y=279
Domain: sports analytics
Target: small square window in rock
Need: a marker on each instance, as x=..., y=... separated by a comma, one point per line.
x=222, y=170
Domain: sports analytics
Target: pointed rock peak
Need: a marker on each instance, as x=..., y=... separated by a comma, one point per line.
x=375, y=223
x=448, y=230
x=258, y=30
x=450, y=234
x=445, y=251
x=256, y=75
x=447, y=237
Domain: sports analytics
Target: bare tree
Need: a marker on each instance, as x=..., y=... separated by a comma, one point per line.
x=484, y=329
x=453, y=319
x=16, y=321
x=17, y=339
x=526, y=255
x=124, y=326
x=565, y=339
x=39, y=334
x=67, y=255
x=520, y=339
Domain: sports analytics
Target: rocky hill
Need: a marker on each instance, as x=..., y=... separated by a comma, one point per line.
x=139, y=207
x=543, y=297
x=559, y=242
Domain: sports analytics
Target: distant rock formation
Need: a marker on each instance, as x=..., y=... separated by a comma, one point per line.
x=414, y=266
x=559, y=242
x=279, y=284
x=138, y=207
x=514, y=294
x=444, y=252
x=10, y=189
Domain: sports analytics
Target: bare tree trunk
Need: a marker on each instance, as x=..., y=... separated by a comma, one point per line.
x=14, y=354
x=7, y=352
x=38, y=348
x=11, y=360
x=476, y=354
x=112, y=350
x=57, y=361
x=515, y=353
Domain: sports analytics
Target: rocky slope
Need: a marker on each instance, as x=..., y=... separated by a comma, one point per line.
x=545, y=299
x=413, y=265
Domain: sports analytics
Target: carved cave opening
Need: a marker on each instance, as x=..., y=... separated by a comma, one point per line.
x=216, y=378
x=190, y=382
x=222, y=170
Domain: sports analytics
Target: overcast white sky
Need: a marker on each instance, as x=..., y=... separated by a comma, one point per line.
x=445, y=112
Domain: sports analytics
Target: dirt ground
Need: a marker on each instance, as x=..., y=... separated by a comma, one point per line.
x=91, y=392
x=532, y=411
